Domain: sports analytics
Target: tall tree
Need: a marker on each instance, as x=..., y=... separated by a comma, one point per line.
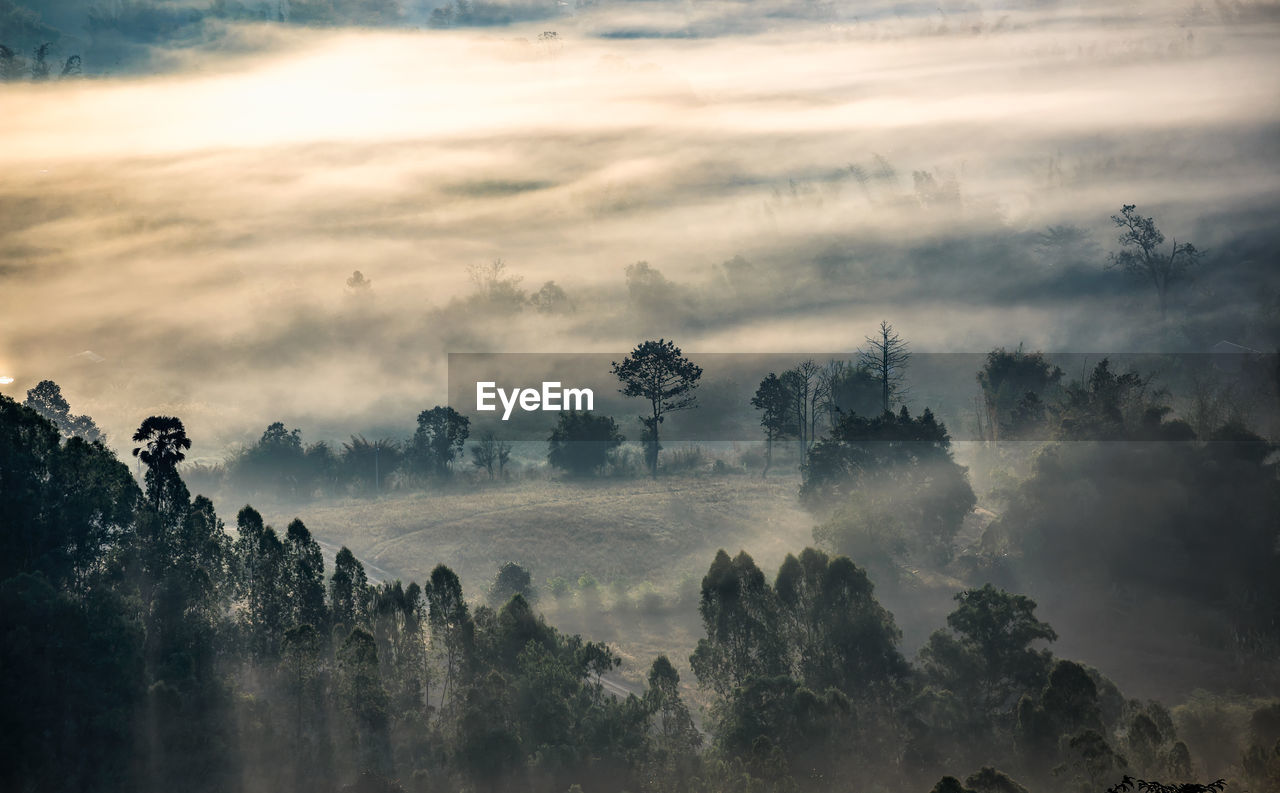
x=886, y=356
x=658, y=372
x=304, y=576
x=581, y=443
x=47, y=400
x=987, y=658
x=451, y=626
x=848, y=388
x=164, y=443
x=1141, y=254
x=348, y=593
x=740, y=616
x=807, y=391
x=439, y=439
x=773, y=400
x=1013, y=386
x=489, y=453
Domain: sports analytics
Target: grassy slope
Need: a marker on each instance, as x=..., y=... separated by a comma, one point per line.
x=635, y=537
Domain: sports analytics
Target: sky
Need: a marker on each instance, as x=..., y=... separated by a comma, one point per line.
x=179, y=241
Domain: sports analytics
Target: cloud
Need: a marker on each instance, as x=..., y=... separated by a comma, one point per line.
x=196, y=228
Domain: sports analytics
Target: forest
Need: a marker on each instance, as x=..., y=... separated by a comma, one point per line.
x=162, y=650
x=935, y=355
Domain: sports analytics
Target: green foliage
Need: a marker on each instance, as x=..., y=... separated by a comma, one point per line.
x=1141, y=255
x=581, y=443
x=1014, y=386
x=740, y=615
x=349, y=593
x=839, y=634
x=987, y=657
x=1092, y=514
x=64, y=503
x=894, y=470
x=773, y=400
x=47, y=400
x=441, y=434
x=512, y=579
x=658, y=372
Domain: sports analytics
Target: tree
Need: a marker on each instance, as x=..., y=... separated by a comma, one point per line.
x=348, y=593
x=47, y=400
x=264, y=577
x=740, y=617
x=886, y=357
x=806, y=390
x=164, y=441
x=839, y=633
x=363, y=697
x=1013, y=388
x=277, y=461
x=367, y=462
x=496, y=288
x=304, y=577
x=489, y=452
x=1141, y=255
x=659, y=372
x=893, y=472
x=581, y=443
x=40, y=62
x=551, y=299
x=451, y=627
x=512, y=579
x=848, y=388
x=773, y=400
x=439, y=439
x=649, y=289
x=987, y=659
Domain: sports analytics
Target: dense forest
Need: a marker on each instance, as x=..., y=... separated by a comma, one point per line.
x=934, y=439
x=149, y=647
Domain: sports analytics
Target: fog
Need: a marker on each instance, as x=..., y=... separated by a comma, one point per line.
x=194, y=226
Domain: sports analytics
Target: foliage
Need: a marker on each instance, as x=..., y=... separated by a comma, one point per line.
x=658, y=372
x=1141, y=256
x=901, y=467
x=441, y=434
x=582, y=443
x=1014, y=386
x=47, y=400
x=773, y=400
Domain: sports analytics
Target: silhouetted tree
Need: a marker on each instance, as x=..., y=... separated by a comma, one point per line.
x=348, y=593
x=1141, y=255
x=164, y=443
x=658, y=372
x=1014, y=385
x=489, y=452
x=807, y=391
x=512, y=579
x=740, y=617
x=773, y=400
x=886, y=357
x=893, y=474
x=452, y=630
x=47, y=400
x=439, y=439
x=581, y=443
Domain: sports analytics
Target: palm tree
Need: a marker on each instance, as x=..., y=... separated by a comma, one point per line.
x=163, y=440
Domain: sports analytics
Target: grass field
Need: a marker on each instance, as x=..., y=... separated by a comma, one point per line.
x=646, y=542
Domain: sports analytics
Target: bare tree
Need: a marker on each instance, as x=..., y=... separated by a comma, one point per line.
x=1142, y=255
x=886, y=357
x=490, y=452
x=808, y=391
